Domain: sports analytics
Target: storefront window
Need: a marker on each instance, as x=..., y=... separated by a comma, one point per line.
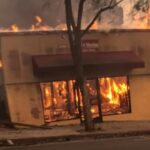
x=114, y=94
x=63, y=101
x=58, y=101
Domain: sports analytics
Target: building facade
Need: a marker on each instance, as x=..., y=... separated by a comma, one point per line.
x=37, y=76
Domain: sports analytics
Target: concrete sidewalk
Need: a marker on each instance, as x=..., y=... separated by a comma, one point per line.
x=73, y=131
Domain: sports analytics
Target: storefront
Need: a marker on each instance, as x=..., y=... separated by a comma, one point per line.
x=38, y=77
x=108, y=89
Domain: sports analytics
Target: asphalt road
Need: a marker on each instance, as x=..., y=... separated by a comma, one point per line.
x=130, y=143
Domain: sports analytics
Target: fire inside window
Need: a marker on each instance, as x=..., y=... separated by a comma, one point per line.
x=62, y=101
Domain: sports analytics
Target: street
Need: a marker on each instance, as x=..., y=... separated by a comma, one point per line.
x=130, y=143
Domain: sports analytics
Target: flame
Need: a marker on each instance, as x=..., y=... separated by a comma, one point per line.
x=55, y=101
x=139, y=21
x=1, y=65
x=39, y=20
x=93, y=110
x=113, y=91
x=40, y=26
x=142, y=21
x=47, y=92
x=33, y=28
x=95, y=26
x=47, y=98
x=15, y=28
x=114, y=94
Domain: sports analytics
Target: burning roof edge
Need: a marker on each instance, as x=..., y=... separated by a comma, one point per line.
x=40, y=32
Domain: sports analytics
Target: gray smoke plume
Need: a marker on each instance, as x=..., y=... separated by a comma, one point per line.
x=23, y=12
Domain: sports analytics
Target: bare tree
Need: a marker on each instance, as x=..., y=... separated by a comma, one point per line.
x=142, y=5
x=75, y=34
x=141, y=10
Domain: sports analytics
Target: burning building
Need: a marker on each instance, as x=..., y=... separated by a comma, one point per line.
x=37, y=76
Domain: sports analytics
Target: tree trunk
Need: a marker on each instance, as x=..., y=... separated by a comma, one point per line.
x=74, y=34
x=81, y=83
x=89, y=126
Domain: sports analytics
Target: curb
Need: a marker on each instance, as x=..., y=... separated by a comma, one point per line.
x=67, y=138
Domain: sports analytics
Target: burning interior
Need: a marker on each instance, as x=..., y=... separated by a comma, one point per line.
x=107, y=84
x=40, y=74
x=26, y=63
x=62, y=101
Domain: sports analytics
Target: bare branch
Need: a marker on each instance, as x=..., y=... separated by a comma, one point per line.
x=111, y=2
x=68, y=22
x=71, y=16
x=110, y=6
x=68, y=6
x=80, y=13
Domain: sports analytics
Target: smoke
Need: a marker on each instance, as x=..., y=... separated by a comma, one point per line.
x=127, y=6
x=23, y=12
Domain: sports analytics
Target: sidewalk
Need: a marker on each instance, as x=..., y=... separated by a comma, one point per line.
x=73, y=131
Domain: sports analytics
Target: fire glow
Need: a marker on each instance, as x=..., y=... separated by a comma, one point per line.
x=62, y=102
x=39, y=25
x=142, y=21
x=114, y=93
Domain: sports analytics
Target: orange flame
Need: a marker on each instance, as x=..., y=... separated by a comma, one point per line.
x=38, y=19
x=142, y=22
x=47, y=99
x=93, y=110
x=95, y=26
x=47, y=92
x=114, y=93
x=138, y=22
x=1, y=65
x=112, y=90
x=15, y=28
x=39, y=25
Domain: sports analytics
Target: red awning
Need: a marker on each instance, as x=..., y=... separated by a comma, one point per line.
x=60, y=66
